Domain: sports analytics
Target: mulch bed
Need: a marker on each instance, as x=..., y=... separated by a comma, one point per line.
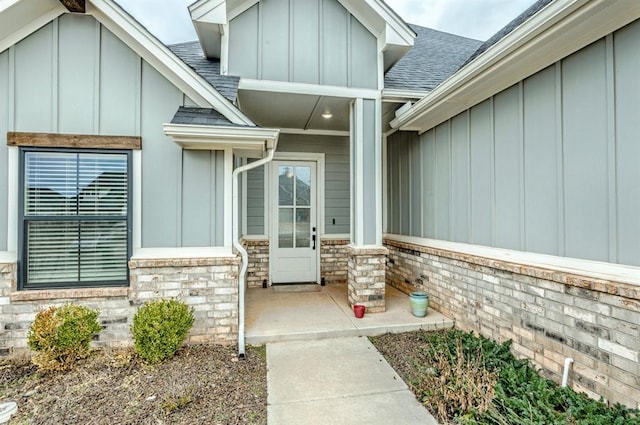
x=202, y=384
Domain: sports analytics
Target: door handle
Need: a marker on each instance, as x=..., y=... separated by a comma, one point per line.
x=313, y=238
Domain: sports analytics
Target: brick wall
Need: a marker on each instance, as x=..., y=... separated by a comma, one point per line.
x=258, y=267
x=209, y=285
x=333, y=260
x=549, y=315
x=366, y=277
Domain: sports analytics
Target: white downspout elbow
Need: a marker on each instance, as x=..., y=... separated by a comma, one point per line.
x=237, y=245
x=565, y=373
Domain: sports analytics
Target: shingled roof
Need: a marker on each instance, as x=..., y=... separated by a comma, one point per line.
x=191, y=53
x=202, y=116
x=519, y=20
x=434, y=56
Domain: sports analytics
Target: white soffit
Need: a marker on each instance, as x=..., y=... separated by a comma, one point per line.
x=251, y=142
x=558, y=30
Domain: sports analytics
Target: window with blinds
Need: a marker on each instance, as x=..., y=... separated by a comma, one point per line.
x=75, y=215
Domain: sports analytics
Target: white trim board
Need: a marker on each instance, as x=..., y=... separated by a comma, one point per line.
x=560, y=29
x=594, y=269
x=319, y=159
x=186, y=252
x=307, y=89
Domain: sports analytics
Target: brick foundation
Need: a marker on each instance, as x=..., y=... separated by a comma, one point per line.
x=549, y=315
x=366, y=277
x=258, y=267
x=209, y=285
x=333, y=260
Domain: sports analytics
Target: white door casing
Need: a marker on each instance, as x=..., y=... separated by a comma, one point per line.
x=294, y=230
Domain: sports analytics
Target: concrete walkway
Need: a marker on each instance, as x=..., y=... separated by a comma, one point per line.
x=342, y=381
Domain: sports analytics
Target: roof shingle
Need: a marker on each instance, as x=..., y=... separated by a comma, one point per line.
x=191, y=53
x=507, y=29
x=434, y=57
x=201, y=116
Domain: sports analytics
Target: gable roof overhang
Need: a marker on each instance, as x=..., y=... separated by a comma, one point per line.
x=560, y=29
x=211, y=18
x=20, y=18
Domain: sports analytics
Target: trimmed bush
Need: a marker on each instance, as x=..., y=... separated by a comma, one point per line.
x=61, y=335
x=159, y=328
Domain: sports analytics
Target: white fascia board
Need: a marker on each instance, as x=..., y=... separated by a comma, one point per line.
x=6, y=4
x=306, y=89
x=206, y=137
x=235, y=8
x=402, y=96
x=381, y=21
x=30, y=27
x=114, y=18
x=560, y=29
x=210, y=11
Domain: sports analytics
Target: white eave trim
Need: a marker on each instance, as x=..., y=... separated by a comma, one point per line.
x=306, y=89
x=558, y=30
x=164, y=60
x=241, y=139
x=402, y=96
x=29, y=28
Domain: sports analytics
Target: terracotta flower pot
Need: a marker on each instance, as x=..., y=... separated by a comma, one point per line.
x=358, y=310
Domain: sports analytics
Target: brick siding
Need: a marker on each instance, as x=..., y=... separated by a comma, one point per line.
x=549, y=315
x=366, y=277
x=209, y=285
x=333, y=260
x=258, y=267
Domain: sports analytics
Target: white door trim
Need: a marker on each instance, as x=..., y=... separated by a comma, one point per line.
x=319, y=159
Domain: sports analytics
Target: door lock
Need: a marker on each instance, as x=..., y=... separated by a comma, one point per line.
x=313, y=238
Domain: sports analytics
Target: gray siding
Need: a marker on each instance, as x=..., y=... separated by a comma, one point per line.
x=303, y=41
x=255, y=201
x=202, y=195
x=336, y=185
x=549, y=165
x=74, y=76
x=4, y=126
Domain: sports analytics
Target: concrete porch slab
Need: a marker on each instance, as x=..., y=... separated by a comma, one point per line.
x=272, y=317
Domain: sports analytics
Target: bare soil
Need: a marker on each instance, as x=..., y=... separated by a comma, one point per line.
x=202, y=384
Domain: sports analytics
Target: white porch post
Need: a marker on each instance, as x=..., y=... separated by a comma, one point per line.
x=367, y=255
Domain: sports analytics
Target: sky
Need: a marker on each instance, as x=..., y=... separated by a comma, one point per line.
x=478, y=19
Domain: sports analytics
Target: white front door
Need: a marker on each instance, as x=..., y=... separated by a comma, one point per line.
x=294, y=242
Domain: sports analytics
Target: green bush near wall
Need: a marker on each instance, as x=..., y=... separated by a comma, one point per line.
x=159, y=328
x=61, y=335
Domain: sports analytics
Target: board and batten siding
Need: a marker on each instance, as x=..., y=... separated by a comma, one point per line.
x=549, y=165
x=336, y=183
x=303, y=41
x=73, y=76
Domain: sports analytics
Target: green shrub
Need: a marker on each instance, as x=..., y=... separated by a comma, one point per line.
x=61, y=335
x=159, y=327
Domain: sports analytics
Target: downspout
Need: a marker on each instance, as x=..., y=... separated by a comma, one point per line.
x=240, y=248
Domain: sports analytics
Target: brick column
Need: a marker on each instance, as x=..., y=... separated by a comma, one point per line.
x=366, y=277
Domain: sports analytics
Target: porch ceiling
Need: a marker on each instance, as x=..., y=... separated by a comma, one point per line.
x=295, y=111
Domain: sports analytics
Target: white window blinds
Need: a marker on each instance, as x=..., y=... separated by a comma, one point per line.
x=75, y=218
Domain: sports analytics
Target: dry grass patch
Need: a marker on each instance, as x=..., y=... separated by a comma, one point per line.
x=201, y=384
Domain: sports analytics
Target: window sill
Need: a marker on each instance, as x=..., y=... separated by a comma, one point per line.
x=78, y=293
